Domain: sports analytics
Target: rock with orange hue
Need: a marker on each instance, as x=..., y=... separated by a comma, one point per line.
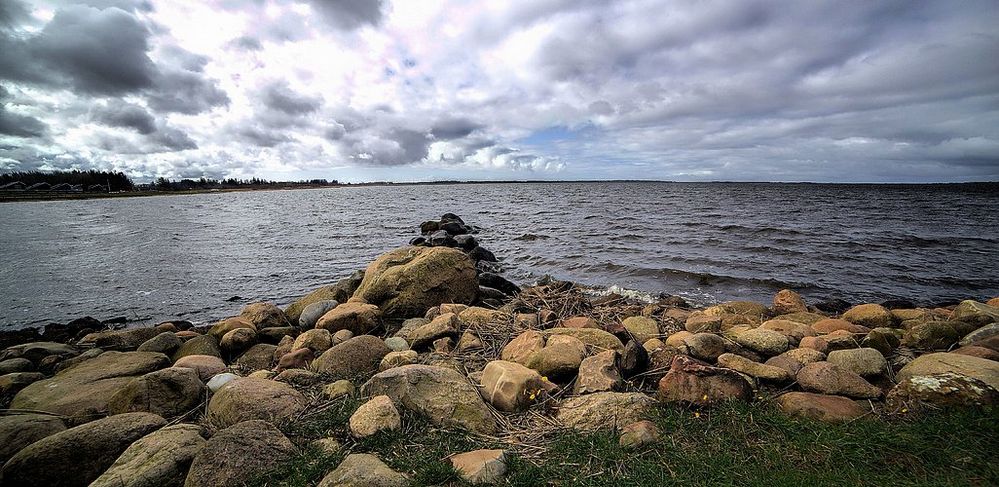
x=695, y=383
x=299, y=359
x=828, y=378
x=821, y=407
x=787, y=301
x=830, y=325
x=579, y=322
x=815, y=343
x=869, y=315
x=359, y=318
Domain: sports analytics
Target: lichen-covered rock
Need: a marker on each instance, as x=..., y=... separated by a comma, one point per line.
x=987, y=331
x=984, y=370
x=199, y=345
x=594, y=338
x=378, y=414
x=238, y=454
x=560, y=358
x=159, y=459
x=121, y=340
x=691, y=382
x=884, y=340
x=975, y=313
x=218, y=330
x=248, y=399
x=830, y=325
x=356, y=317
x=793, y=330
x=166, y=343
x=763, y=341
x=793, y=360
x=945, y=389
x=318, y=340
x=705, y=346
x=598, y=373
x=77, y=456
x=754, y=369
x=869, y=315
x=444, y=325
x=15, y=381
x=443, y=395
x=167, y=392
x=828, y=378
x=931, y=335
x=363, y=470
x=604, y=410
x=20, y=430
x=359, y=356
x=398, y=359
x=639, y=434
x=257, y=357
x=264, y=315
x=821, y=407
x=238, y=341
x=83, y=392
x=863, y=361
x=406, y=282
x=641, y=327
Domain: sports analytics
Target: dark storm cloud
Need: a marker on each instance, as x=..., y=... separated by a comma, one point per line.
x=121, y=114
x=349, y=14
x=20, y=125
x=279, y=96
x=173, y=139
x=261, y=137
x=454, y=128
x=186, y=92
x=12, y=12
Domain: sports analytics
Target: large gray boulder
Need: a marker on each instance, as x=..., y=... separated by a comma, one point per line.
x=77, y=456
x=169, y=392
x=160, y=459
x=252, y=398
x=360, y=355
x=84, y=391
x=443, y=395
x=238, y=454
x=20, y=430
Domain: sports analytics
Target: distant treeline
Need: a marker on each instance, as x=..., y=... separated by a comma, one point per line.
x=164, y=184
x=111, y=181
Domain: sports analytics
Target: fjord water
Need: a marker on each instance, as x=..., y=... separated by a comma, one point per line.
x=166, y=257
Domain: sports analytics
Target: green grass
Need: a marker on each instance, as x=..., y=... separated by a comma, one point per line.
x=731, y=445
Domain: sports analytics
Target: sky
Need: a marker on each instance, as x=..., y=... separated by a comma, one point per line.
x=374, y=90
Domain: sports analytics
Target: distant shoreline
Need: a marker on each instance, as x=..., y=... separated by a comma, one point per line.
x=23, y=195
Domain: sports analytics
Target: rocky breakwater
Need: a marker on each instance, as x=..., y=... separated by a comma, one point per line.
x=414, y=337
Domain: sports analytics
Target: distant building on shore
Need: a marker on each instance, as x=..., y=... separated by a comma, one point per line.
x=14, y=186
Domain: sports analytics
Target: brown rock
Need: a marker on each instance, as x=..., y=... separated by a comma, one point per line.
x=639, y=434
x=318, y=340
x=598, y=373
x=560, y=357
x=862, y=361
x=239, y=454
x=359, y=318
x=604, y=410
x=695, y=383
x=238, y=341
x=523, y=348
x=792, y=330
x=579, y=322
x=161, y=458
x=788, y=301
x=828, y=378
x=830, y=325
x=265, y=315
x=218, y=330
x=705, y=346
x=444, y=325
x=258, y=357
x=363, y=470
x=199, y=345
x=20, y=430
x=980, y=352
x=376, y=415
x=821, y=407
x=698, y=322
x=248, y=399
x=869, y=315
x=168, y=393
x=641, y=328
x=206, y=366
x=480, y=466
x=793, y=360
x=509, y=386
x=359, y=356
x=299, y=359
x=754, y=369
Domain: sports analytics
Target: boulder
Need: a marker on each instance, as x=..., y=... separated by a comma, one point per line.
x=397, y=344
x=787, y=301
x=199, y=345
x=639, y=434
x=340, y=292
x=945, y=389
x=754, y=369
x=793, y=330
x=20, y=430
x=975, y=313
x=318, y=340
x=122, y=340
x=83, y=392
x=480, y=466
x=248, y=399
x=358, y=318
x=218, y=330
x=299, y=377
x=159, y=459
x=444, y=325
x=862, y=361
x=398, y=359
x=821, y=407
x=884, y=340
x=598, y=373
x=763, y=341
x=258, y=357
x=443, y=395
x=931, y=335
x=311, y=314
x=524, y=347
x=830, y=325
x=478, y=316
x=276, y=334
x=702, y=323
x=363, y=470
x=359, y=356
x=793, y=360
x=751, y=310
x=804, y=318
x=869, y=315
x=987, y=331
x=818, y=344
x=691, y=382
x=166, y=343
x=338, y=389
x=604, y=410
x=168, y=392
x=829, y=378
x=238, y=341
x=560, y=357
x=217, y=381
x=264, y=315
x=705, y=346
x=984, y=370
x=299, y=359
x=238, y=454
x=13, y=382
x=16, y=365
x=207, y=366
x=977, y=351
x=77, y=456
x=579, y=322
x=406, y=282
x=594, y=338
x=509, y=386
x=378, y=414
x=36, y=351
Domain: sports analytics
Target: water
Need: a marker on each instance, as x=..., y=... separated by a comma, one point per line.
x=170, y=257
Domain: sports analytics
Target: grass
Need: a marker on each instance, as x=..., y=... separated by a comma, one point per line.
x=736, y=444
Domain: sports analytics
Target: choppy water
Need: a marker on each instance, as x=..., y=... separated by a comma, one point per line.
x=182, y=256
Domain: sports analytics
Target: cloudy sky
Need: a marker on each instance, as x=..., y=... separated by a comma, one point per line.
x=362, y=90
